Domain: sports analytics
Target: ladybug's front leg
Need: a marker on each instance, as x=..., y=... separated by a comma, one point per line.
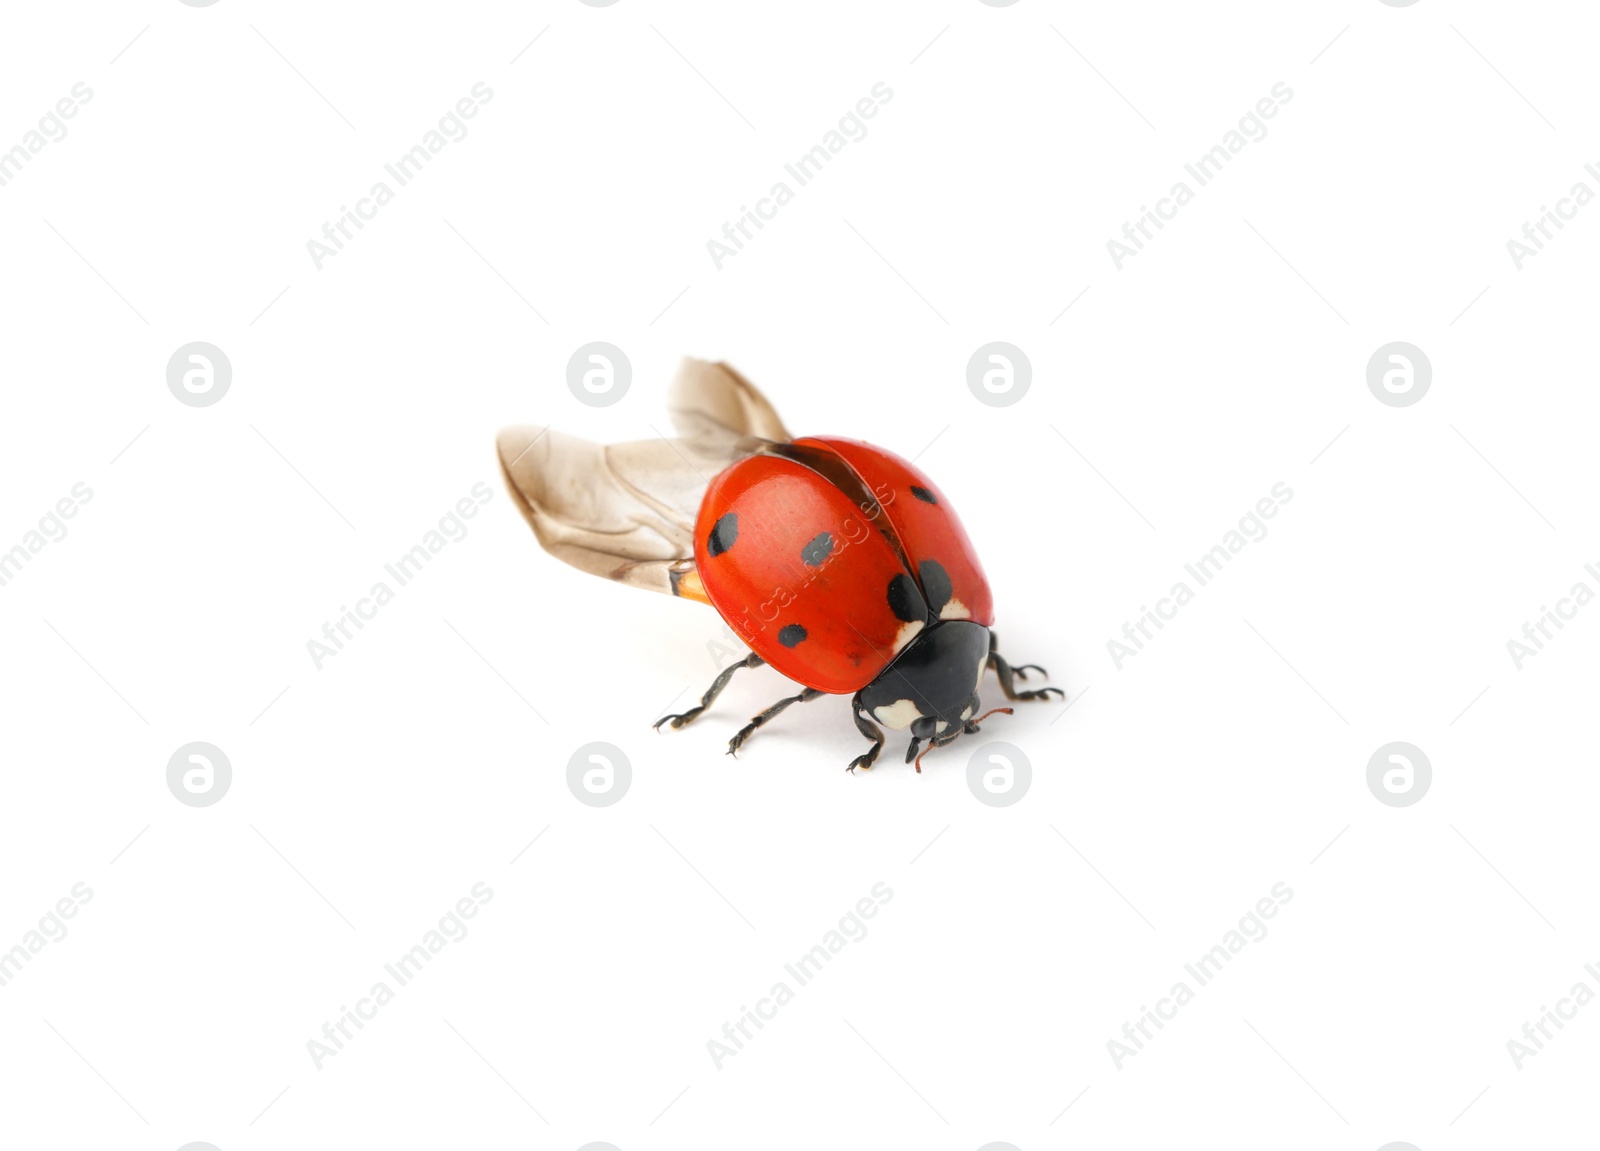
x=677, y=721
x=1006, y=673
x=869, y=729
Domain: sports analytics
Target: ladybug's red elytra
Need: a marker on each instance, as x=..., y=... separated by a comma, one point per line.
x=840, y=564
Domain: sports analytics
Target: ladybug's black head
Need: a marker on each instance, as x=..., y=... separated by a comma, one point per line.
x=932, y=685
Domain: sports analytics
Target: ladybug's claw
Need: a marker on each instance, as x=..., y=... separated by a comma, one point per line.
x=1041, y=693
x=1022, y=672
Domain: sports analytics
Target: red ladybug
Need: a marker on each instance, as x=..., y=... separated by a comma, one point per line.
x=839, y=563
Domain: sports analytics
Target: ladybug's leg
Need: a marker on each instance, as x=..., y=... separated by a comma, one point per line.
x=1019, y=670
x=749, y=729
x=1005, y=671
x=677, y=721
x=869, y=729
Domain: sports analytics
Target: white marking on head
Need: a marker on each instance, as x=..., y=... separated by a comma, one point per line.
x=942, y=727
x=898, y=715
x=966, y=712
x=955, y=609
x=908, y=632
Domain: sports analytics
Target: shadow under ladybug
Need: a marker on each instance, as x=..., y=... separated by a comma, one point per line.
x=840, y=564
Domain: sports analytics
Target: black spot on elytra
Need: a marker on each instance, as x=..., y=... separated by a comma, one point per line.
x=935, y=585
x=905, y=600
x=818, y=550
x=924, y=495
x=791, y=634
x=723, y=533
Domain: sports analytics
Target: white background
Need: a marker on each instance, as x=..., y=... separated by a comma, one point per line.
x=372, y=794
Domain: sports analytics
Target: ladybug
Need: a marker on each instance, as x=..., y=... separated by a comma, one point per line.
x=838, y=563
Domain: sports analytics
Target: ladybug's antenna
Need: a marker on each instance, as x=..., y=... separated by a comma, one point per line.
x=971, y=725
